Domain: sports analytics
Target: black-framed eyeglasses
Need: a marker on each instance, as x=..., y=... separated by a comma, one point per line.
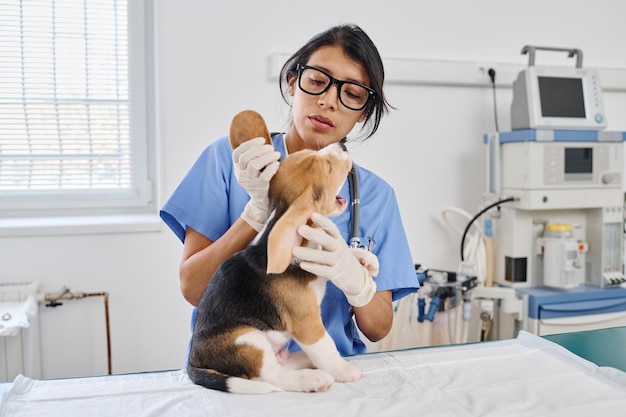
x=352, y=95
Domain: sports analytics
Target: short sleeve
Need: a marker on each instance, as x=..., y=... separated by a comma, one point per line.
x=208, y=199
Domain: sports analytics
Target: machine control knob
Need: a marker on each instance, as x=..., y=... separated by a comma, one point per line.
x=599, y=118
x=610, y=178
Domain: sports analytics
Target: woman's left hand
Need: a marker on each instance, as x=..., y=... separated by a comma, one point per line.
x=350, y=271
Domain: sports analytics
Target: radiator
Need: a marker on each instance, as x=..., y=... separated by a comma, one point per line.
x=20, y=354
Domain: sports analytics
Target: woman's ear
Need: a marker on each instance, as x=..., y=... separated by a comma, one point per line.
x=292, y=85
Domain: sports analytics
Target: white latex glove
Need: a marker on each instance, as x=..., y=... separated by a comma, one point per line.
x=334, y=260
x=255, y=164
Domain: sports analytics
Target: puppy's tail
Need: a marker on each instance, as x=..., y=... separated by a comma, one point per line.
x=212, y=379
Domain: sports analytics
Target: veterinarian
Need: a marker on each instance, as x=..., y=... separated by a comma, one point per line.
x=332, y=83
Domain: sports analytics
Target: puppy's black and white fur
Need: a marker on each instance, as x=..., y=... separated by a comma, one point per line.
x=259, y=298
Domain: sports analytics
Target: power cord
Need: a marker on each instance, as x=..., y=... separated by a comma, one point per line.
x=492, y=75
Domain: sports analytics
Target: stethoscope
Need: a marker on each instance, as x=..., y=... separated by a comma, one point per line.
x=355, y=208
x=355, y=212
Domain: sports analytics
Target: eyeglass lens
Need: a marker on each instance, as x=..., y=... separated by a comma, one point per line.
x=351, y=95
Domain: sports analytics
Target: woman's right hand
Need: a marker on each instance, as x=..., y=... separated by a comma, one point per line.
x=255, y=163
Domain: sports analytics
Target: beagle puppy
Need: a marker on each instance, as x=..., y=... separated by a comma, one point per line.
x=259, y=298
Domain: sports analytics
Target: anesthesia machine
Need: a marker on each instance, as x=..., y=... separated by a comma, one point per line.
x=558, y=243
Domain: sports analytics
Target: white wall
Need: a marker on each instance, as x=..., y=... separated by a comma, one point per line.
x=212, y=63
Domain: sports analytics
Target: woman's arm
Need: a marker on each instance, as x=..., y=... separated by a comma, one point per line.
x=201, y=257
x=376, y=317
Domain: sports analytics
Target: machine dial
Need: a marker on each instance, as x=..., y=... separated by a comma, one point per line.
x=610, y=178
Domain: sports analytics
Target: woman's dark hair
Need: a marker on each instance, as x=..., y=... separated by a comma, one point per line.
x=360, y=48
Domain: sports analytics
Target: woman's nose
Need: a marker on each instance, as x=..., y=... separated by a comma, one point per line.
x=330, y=98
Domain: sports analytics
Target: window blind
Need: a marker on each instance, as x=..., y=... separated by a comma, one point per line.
x=64, y=97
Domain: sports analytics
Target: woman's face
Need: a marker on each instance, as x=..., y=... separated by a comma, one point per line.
x=319, y=120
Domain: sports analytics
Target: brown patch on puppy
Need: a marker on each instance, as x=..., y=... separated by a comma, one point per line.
x=299, y=309
x=229, y=357
x=247, y=125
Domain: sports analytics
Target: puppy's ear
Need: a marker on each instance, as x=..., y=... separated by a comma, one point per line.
x=284, y=235
x=247, y=125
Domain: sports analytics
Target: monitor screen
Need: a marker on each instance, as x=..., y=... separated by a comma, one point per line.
x=561, y=97
x=578, y=160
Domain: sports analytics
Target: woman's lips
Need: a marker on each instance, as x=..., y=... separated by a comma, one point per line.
x=321, y=123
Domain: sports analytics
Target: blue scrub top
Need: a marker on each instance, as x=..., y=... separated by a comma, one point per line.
x=209, y=199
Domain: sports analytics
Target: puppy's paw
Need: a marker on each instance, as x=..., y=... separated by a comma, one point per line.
x=346, y=372
x=313, y=380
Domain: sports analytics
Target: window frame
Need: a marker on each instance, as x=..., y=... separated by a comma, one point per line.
x=142, y=198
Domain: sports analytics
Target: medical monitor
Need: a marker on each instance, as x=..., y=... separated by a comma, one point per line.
x=557, y=98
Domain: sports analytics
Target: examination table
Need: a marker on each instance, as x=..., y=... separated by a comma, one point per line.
x=526, y=376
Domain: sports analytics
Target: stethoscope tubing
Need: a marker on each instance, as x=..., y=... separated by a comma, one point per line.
x=355, y=208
